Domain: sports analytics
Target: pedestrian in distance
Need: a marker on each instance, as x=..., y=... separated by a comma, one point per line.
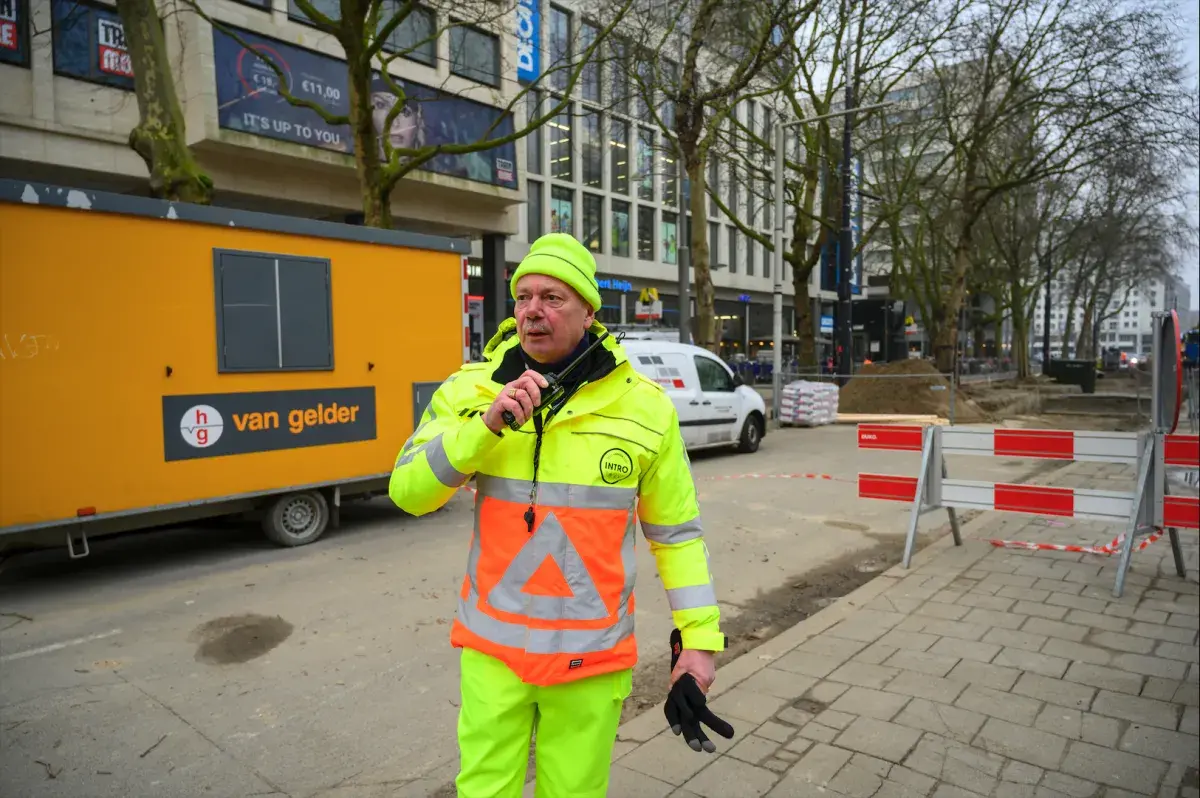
x=570, y=448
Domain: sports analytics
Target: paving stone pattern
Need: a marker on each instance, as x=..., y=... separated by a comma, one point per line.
x=978, y=672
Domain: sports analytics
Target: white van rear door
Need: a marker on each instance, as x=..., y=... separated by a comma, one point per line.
x=675, y=373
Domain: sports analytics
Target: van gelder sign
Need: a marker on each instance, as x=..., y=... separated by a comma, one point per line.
x=212, y=425
x=529, y=21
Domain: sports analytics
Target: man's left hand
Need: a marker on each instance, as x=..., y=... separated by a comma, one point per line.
x=701, y=664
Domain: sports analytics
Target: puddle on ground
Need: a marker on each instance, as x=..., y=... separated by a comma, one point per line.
x=235, y=639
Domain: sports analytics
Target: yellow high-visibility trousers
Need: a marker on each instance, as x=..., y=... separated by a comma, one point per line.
x=576, y=726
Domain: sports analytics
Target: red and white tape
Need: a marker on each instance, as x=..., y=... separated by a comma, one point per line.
x=1111, y=548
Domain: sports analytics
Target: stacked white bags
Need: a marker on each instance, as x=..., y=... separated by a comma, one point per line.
x=808, y=404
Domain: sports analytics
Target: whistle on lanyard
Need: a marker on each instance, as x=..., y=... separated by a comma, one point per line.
x=554, y=390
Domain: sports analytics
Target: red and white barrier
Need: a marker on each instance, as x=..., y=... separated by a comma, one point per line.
x=1146, y=511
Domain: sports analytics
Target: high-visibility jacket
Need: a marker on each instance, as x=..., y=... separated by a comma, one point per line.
x=551, y=592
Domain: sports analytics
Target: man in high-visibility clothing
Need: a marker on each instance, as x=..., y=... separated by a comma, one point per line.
x=545, y=615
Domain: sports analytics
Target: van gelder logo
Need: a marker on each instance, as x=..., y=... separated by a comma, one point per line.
x=615, y=465
x=528, y=55
x=114, y=53
x=213, y=425
x=201, y=426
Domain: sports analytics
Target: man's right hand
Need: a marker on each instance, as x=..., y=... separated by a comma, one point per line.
x=518, y=397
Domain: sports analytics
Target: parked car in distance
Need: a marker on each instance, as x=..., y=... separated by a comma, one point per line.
x=715, y=407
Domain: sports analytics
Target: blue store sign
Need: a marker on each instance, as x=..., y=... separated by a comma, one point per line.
x=529, y=37
x=248, y=100
x=624, y=286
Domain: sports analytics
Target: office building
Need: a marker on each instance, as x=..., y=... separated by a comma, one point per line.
x=597, y=170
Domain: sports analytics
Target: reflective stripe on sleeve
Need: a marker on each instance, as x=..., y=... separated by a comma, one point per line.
x=439, y=462
x=673, y=533
x=692, y=597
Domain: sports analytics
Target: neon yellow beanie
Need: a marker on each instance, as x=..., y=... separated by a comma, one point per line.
x=560, y=256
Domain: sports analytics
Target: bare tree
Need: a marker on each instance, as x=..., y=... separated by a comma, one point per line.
x=889, y=41
x=373, y=34
x=1027, y=91
x=691, y=63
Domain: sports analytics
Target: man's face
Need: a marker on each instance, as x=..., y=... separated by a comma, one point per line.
x=551, y=317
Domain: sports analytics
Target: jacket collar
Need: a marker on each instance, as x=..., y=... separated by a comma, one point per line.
x=607, y=379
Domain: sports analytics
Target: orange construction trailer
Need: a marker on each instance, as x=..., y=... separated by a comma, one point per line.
x=164, y=362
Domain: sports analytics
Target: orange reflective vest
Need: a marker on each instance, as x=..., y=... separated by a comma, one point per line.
x=549, y=584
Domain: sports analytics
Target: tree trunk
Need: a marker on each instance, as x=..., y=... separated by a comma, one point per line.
x=1069, y=329
x=705, y=329
x=945, y=340
x=376, y=191
x=807, y=351
x=1083, y=345
x=159, y=137
x=1020, y=337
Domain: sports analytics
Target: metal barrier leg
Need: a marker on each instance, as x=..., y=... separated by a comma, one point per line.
x=919, y=499
x=953, y=515
x=1143, y=506
x=1173, y=534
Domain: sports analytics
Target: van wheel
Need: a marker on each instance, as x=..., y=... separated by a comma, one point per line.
x=296, y=519
x=751, y=434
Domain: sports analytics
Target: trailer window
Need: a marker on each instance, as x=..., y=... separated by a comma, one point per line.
x=274, y=312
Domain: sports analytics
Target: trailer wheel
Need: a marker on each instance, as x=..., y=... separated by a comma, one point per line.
x=296, y=519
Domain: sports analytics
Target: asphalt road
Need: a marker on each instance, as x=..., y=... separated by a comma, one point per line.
x=206, y=662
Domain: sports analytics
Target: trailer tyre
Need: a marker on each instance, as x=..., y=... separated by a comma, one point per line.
x=296, y=519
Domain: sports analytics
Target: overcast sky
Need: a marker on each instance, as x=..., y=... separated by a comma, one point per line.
x=1190, y=11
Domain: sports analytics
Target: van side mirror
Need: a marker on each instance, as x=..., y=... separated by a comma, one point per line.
x=737, y=379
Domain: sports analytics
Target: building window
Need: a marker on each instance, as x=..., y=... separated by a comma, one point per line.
x=620, y=228
x=645, y=161
x=414, y=38
x=330, y=8
x=714, y=241
x=670, y=237
x=533, y=142
x=475, y=55
x=644, y=91
x=593, y=149
x=670, y=86
x=733, y=250
x=593, y=222
x=751, y=256
x=89, y=44
x=560, y=48
x=618, y=51
x=733, y=199
x=560, y=146
x=590, y=79
x=533, y=211
x=670, y=177
x=645, y=232
x=768, y=261
x=562, y=210
x=274, y=312
x=618, y=143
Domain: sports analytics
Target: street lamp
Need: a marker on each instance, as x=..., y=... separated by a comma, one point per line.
x=777, y=299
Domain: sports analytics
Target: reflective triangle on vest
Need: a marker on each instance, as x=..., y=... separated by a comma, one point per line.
x=530, y=586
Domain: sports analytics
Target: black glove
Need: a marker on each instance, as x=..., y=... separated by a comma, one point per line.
x=686, y=707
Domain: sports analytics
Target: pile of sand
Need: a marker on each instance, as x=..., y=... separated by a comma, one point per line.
x=917, y=393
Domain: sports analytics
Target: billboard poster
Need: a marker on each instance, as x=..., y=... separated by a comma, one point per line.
x=89, y=43
x=14, y=32
x=529, y=37
x=249, y=100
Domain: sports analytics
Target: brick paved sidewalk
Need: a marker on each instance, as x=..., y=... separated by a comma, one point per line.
x=978, y=672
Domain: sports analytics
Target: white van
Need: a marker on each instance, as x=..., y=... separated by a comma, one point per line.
x=715, y=408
